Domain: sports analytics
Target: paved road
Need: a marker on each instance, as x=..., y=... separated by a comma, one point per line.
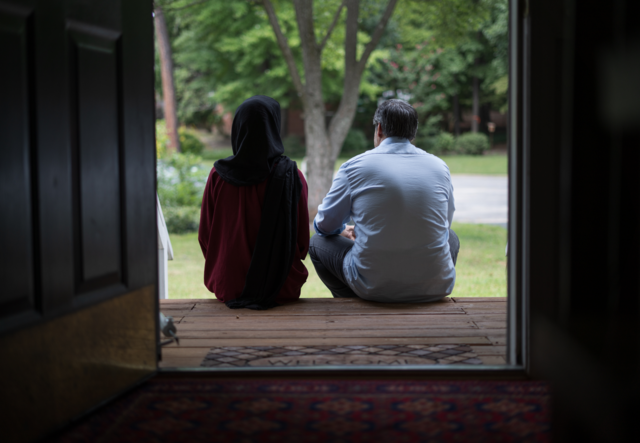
x=480, y=199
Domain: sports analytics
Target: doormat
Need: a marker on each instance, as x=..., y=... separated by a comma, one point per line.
x=234, y=356
x=209, y=410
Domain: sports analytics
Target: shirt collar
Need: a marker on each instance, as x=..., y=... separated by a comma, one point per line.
x=393, y=145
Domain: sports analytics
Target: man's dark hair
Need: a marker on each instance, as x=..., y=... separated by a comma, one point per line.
x=398, y=119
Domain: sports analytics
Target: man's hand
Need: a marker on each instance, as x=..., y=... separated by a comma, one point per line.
x=349, y=233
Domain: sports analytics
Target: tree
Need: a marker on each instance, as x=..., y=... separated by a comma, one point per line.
x=324, y=143
x=459, y=61
x=168, y=88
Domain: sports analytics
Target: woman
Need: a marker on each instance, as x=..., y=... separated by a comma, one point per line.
x=254, y=224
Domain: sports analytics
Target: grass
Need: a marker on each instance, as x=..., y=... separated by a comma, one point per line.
x=464, y=164
x=495, y=164
x=481, y=267
x=471, y=164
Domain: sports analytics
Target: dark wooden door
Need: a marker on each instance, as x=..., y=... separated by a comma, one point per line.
x=78, y=304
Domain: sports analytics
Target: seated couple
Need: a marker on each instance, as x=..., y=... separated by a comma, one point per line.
x=254, y=226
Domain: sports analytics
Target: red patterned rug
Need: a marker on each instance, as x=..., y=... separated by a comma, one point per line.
x=204, y=410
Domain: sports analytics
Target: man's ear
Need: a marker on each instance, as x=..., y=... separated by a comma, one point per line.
x=379, y=130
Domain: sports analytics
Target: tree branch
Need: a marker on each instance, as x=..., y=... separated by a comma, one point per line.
x=377, y=34
x=285, y=49
x=333, y=25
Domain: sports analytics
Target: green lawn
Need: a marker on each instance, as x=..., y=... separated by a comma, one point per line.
x=481, y=268
x=464, y=164
x=458, y=164
x=470, y=164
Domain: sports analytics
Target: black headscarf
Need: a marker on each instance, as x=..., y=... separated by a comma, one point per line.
x=257, y=149
x=256, y=142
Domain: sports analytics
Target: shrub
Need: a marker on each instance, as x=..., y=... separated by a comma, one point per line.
x=181, y=182
x=444, y=143
x=472, y=143
x=181, y=219
x=355, y=143
x=440, y=144
x=189, y=143
x=432, y=139
x=293, y=147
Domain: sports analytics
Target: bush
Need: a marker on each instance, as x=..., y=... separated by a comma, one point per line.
x=444, y=143
x=440, y=144
x=472, y=143
x=181, y=219
x=189, y=143
x=293, y=147
x=181, y=182
x=355, y=143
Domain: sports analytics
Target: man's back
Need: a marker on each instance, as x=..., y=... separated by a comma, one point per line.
x=401, y=201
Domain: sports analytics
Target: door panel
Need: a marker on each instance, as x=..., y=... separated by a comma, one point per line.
x=78, y=308
x=97, y=141
x=16, y=230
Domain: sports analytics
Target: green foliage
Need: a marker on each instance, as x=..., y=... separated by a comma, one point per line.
x=355, y=143
x=161, y=139
x=472, y=143
x=293, y=147
x=216, y=154
x=225, y=52
x=181, y=219
x=437, y=57
x=189, y=143
x=444, y=143
x=181, y=182
x=432, y=139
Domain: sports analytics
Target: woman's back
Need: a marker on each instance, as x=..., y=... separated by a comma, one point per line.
x=229, y=224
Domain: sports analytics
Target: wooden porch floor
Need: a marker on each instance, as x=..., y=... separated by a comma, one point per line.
x=317, y=326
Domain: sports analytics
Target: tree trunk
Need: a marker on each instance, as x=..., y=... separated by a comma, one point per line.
x=456, y=115
x=168, y=87
x=323, y=144
x=476, y=105
x=320, y=161
x=475, y=123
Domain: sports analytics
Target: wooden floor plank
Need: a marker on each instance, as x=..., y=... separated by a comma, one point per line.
x=179, y=362
x=490, y=324
x=329, y=321
x=497, y=340
x=478, y=299
x=487, y=305
x=493, y=360
x=354, y=333
x=490, y=350
x=202, y=324
x=333, y=310
x=176, y=306
x=207, y=343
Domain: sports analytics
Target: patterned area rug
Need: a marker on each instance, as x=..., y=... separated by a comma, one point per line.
x=339, y=355
x=202, y=410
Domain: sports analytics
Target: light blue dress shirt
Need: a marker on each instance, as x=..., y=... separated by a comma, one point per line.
x=401, y=200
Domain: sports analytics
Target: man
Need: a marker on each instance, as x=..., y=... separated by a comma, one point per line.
x=402, y=248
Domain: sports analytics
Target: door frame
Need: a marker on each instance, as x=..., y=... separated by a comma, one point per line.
x=518, y=361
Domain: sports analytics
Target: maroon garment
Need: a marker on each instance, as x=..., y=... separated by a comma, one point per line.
x=229, y=224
